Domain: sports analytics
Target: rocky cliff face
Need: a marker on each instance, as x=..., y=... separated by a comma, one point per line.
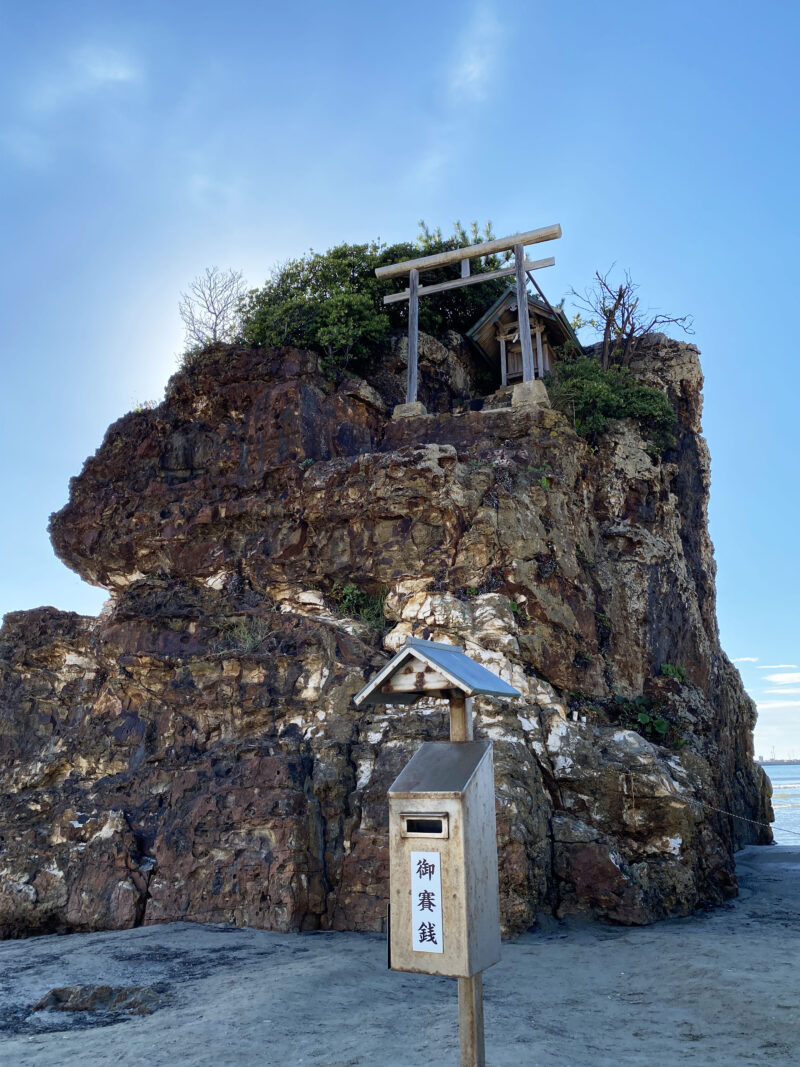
x=194, y=752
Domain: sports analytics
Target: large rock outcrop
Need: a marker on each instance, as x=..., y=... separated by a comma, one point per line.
x=194, y=751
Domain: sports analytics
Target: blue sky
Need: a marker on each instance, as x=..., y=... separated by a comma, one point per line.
x=141, y=143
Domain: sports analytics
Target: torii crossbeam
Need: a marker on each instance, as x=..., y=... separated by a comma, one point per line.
x=413, y=268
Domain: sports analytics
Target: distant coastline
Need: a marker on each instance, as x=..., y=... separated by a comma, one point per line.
x=775, y=762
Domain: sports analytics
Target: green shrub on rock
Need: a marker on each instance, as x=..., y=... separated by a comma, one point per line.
x=669, y=671
x=360, y=604
x=332, y=301
x=593, y=398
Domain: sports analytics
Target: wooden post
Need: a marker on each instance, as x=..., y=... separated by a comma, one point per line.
x=413, y=335
x=470, y=1021
x=465, y=268
x=460, y=716
x=522, y=315
x=470, y=990
x=503, y=362
x=539, y=355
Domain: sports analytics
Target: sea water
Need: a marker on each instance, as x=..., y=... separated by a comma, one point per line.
x=785, y=778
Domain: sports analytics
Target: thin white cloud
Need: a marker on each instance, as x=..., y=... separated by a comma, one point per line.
x=88, y=73
x=784, y=679
x=783, y=692
x=776, y=666
x=778, y=704
x=473, y=73
x=86, y=70
x=477, y=53
x=745, y=659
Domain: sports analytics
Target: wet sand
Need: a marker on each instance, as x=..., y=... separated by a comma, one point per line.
x=720, y=987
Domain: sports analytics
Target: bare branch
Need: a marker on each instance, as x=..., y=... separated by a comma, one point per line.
x=210, y=307
x=616, y=312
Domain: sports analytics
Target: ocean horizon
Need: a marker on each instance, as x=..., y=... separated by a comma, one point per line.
x=785, y=778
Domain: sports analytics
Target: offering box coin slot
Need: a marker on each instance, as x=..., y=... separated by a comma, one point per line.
x=425, y=824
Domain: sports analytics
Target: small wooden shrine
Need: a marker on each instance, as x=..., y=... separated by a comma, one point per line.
x=498, y=336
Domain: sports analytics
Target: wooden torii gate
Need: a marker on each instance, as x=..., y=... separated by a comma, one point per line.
x=414, y=267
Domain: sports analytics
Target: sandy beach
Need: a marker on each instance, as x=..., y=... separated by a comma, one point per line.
x=719, y=987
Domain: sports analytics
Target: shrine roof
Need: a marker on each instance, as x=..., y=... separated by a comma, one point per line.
x=460, y=670
x=484, y=339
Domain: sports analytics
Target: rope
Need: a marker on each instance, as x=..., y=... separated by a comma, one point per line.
x=742, y=818
x=755, y=822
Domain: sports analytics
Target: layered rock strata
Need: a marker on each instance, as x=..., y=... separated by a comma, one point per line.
x=194, y=752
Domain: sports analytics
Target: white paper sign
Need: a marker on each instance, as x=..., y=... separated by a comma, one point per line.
x=426, y=902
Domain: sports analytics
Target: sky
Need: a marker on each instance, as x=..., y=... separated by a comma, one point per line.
x=141, y=143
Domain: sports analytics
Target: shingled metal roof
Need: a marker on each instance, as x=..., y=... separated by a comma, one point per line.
x=450, y=660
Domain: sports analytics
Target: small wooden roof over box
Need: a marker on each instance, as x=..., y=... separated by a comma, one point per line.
x=431, y=668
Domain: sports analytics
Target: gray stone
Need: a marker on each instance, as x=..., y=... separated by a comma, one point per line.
x=409, y=411
x=131, y=1000
x=530, y=394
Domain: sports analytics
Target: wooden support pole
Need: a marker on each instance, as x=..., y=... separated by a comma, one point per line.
x=539, y=355
x=538, y=289
x=470, y=990
x=470, y=1021
x=413, y=335
x=522, y=315
x=460, y=716
x=503, y=362
x=465, y=268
